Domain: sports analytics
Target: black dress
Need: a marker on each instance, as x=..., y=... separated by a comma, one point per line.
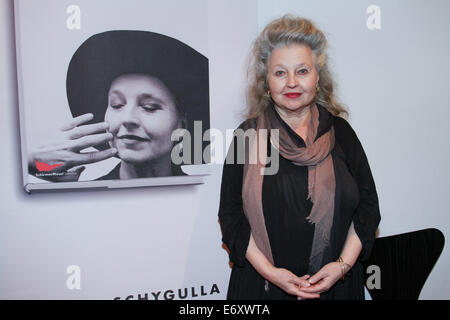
x=286, y=207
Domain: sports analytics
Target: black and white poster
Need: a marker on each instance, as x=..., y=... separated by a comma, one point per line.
x=112, y=95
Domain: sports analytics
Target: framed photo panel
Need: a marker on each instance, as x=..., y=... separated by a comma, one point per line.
x=112, y=94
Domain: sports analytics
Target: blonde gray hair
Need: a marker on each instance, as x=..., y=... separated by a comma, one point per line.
x=283, y=32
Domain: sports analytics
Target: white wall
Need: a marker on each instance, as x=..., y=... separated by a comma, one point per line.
x=146, y=240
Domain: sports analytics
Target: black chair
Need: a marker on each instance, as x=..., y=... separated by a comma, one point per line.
x=405, y=262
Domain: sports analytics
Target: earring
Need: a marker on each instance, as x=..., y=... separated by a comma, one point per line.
x=268, y=94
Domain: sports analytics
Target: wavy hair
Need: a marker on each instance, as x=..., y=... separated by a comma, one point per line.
x=283, y=32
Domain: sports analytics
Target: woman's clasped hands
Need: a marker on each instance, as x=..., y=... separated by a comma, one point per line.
x=307, y=287
x=292, y=284
x=322, y=281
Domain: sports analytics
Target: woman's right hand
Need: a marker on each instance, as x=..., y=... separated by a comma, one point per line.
x=65, y=156
x=290, y=283
x=282, y=278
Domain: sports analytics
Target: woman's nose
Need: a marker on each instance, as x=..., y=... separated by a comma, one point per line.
x=130, y=116
x=292, y=80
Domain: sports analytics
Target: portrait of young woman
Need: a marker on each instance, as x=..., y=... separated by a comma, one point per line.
x=128, y=91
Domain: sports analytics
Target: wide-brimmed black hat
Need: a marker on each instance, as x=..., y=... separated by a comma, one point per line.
x=107, y=55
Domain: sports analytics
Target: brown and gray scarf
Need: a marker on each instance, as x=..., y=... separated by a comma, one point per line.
x=316, y=155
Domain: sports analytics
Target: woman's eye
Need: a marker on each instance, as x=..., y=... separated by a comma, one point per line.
x=151, y=107
x=117, y=106
x=279, y=73
x=303, y=71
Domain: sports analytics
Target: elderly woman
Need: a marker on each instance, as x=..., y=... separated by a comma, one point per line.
x=128, y=91
x=296, y=234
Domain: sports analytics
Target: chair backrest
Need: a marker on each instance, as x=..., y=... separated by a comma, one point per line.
x=405, y=262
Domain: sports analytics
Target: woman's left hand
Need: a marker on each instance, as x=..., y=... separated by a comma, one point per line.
x=324, y=279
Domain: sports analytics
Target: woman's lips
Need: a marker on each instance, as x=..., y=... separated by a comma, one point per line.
x=292, y=95
x=130, y=139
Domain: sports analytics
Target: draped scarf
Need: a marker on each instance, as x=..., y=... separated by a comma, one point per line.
x=316, y=155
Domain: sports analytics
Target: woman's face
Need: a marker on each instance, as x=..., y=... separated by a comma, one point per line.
x=141, y=115
x=292, y=77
